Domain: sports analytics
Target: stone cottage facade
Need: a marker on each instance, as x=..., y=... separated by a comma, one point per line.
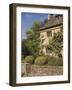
x=54, y=24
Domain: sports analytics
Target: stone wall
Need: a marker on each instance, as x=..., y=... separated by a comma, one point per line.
x=46, y=70
x=44, y=36
x=42, y=70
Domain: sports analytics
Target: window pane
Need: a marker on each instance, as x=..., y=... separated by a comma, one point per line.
x=49, y=33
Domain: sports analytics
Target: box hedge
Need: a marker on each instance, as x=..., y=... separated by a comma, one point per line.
x=51, y=60
x=29, y=59
x=40, y=60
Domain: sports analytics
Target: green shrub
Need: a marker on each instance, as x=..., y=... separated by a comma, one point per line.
x=29, y=59
x=52, y=60
x=40, y=60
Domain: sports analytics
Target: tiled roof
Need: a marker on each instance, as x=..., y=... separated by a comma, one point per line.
x=53, y=22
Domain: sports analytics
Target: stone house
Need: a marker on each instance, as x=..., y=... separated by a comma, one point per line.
x=54, y=24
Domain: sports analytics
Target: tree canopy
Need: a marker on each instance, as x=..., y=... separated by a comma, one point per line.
x=32, y=43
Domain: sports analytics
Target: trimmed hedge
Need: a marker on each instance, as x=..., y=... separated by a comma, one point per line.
x=29, y=59
x=52, y=60
x=40, y=60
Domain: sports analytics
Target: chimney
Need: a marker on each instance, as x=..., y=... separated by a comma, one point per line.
x=50, y=16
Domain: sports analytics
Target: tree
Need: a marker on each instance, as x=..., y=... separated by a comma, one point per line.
x=25, y=50
x=56, y=43
x=33, y=39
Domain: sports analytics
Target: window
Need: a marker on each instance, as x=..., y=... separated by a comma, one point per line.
x=49, y=33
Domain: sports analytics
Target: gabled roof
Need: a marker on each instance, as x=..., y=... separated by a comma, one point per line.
x=56, y=20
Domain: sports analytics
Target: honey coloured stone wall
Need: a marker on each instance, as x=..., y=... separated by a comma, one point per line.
x=43, y=70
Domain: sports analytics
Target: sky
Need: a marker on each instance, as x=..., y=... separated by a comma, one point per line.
x=27, y=20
